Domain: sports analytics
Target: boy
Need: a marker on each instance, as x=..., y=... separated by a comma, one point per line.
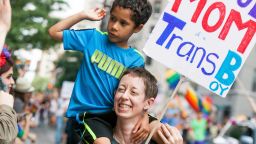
x=106, y=56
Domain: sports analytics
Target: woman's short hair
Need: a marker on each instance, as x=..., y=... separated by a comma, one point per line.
x=150, y=81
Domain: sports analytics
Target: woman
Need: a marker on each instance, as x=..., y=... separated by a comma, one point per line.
x=6, y=70
x=8, y=119
x=135, y=94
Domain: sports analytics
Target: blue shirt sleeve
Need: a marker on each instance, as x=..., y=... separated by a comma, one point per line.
x=77, y=39
x=138, y=60
x=139, y=63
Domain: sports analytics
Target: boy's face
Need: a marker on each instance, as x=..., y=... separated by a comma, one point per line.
x=121, y=26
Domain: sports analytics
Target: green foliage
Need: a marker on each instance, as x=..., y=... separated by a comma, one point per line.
x=68, y=64
x=40, y=83
x=30, y=23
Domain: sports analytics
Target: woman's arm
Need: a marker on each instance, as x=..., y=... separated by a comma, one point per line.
x=26, y=127
x=5, y=20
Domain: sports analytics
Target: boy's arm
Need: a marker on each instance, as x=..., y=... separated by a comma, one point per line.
x=5, y=20
x=141, y=129
x=56, y=31
x=165, y=133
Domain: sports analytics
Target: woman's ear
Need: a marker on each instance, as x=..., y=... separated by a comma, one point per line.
x=149, y=103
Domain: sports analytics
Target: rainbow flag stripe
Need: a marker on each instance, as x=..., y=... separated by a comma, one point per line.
x=207, y=104
x=172, y=78
x=198, y=104
x=192, y=99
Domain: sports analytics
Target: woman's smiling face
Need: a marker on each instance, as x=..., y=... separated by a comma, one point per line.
x=130, y=97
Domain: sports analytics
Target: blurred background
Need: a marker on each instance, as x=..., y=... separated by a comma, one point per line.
x=52, y=72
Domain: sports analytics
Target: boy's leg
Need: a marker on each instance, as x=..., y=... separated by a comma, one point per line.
x=72, y=136
x=98, y=129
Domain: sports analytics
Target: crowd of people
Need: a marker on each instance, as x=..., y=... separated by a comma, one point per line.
x=196, y=127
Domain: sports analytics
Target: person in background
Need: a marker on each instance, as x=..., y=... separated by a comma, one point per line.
x=198, y=126
x=23, y=91
x=62, y=105
x=8, y=117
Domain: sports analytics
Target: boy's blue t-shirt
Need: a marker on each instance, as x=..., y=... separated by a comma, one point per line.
x=99, y=73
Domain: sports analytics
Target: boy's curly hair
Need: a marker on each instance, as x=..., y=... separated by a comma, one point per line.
x=141, y=9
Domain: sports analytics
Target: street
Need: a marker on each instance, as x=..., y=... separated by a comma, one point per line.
x=45, y=134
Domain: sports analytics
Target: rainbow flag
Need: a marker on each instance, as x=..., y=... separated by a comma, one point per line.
x=172, y=78
x=198, y=104
x=192, y=99
x=207, y=104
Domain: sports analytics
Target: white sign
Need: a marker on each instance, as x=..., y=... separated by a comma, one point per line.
x=206, y=41
x=66, y=89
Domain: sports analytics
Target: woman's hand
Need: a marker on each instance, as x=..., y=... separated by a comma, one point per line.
x=6, y=99
x=5, y=16
x=169, y=134
x=95, y=14
x=28, y=118
x=141, y=130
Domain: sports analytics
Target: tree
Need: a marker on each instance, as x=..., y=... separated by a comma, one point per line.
x=40, y=83
x=30, y=23
x=68, y=65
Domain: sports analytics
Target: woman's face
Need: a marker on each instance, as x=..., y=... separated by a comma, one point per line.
x=8, y=79
x=130, y=97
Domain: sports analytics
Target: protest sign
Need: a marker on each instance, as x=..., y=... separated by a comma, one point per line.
x=206, y=41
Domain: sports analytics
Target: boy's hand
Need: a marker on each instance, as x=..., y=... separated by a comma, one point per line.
x=95, y=14
x=141, y=130
x=5, y=15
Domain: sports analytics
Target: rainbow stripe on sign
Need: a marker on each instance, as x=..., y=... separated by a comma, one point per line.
x=172, y=78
